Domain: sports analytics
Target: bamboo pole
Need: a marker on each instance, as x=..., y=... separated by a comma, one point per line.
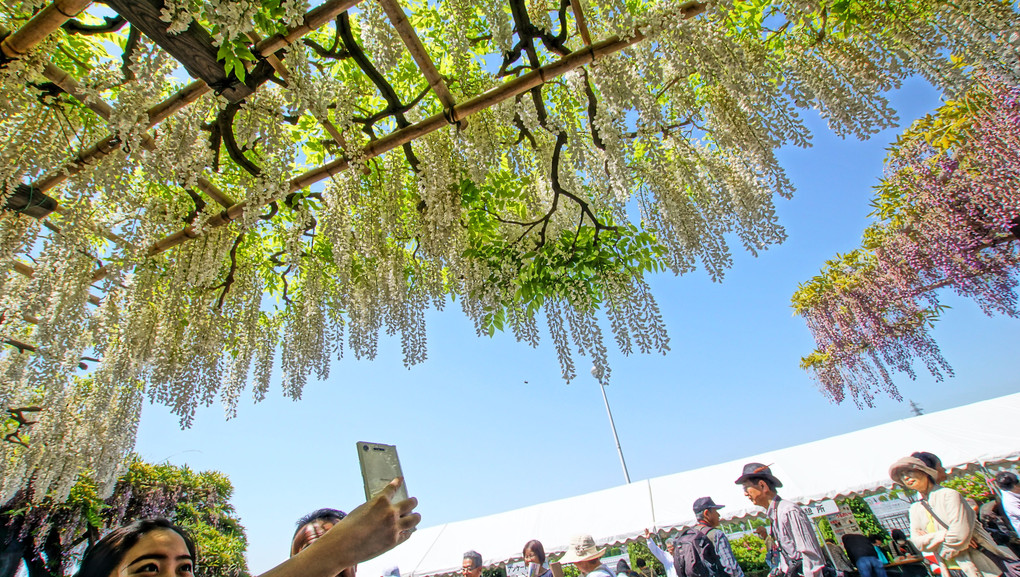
x=222, y=198
x=20, y=42
x=69, y=85
x=312, y=20
x=157, y=114
x=410, y=37
x=582, y=24
x=27, y=347
x=400, y=137
x=25, y=270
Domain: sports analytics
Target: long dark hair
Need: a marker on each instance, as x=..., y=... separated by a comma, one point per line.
x=102, y=558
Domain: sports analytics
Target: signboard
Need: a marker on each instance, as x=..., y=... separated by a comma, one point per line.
x=843, y=523
x=886, y=506
x=826, y=507
x=519, y=569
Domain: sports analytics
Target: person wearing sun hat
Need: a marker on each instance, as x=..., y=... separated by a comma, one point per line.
x=587, y=557
x=943, y=524
x=800, y=553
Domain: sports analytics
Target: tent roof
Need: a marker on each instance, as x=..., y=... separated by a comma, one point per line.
x=981, y=432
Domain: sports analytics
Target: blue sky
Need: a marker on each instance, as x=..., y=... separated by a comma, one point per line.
x=487, y=425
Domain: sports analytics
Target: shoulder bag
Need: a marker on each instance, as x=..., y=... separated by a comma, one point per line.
x=1009, y=567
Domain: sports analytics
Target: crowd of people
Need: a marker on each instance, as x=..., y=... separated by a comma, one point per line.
x=330, y=543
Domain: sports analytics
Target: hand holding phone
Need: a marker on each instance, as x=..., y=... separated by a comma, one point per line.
x=380, y=465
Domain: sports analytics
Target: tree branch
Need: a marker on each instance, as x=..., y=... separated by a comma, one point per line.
x=229, y=280
x=113, y=24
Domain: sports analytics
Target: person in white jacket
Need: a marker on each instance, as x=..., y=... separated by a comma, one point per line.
x=941, y=523
x=666, y=558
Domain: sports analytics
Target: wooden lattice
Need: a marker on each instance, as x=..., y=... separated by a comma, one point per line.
x=615, y=139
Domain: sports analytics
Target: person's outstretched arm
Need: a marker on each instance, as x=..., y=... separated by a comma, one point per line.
x=369, y=531
x=656, y=552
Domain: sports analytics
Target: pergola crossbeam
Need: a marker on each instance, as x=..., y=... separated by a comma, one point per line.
x=27, y=271
x=193, y=47
x=193, y=91
x=428, y=69
x=515, y=87
x=20, y=42
x=582, y=23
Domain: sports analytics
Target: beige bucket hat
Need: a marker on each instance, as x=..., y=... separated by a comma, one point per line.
x=582, y=548
x=897, y=469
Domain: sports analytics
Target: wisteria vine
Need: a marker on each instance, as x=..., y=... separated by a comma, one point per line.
x=194, y=252
x=949, y=209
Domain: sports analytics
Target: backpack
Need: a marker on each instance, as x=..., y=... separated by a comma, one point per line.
x=694, y=555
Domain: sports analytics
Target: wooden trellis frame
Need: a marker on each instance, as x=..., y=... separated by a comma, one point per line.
x=20, y=43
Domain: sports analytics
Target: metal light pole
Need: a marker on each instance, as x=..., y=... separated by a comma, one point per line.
x=612, y=425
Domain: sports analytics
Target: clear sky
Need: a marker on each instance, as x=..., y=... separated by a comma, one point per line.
x=487, y=425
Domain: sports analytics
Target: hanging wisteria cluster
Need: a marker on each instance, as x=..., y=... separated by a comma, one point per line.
x=531, y=160
x=949, y=209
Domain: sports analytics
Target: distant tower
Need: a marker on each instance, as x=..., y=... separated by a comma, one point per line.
x=918, y=411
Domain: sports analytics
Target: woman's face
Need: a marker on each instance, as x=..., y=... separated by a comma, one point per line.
x=916, y=480
x=530, y=557
x=159, y=553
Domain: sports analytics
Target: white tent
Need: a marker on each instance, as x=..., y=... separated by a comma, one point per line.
x=981, y=432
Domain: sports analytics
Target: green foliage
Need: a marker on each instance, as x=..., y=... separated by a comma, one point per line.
x=571, y=571
x=639, y=550
x=197, y=501
x=866, y=520
x=234, y=54
x=973, y=485
x=825, y=529
x=581, y=261
x=750, y=553
x=201, y=505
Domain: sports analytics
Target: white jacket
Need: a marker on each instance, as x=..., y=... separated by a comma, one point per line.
x=953, y=542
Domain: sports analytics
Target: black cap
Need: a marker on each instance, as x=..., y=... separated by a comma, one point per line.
x=703, y=504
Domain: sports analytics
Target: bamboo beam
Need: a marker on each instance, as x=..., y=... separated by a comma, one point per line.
x=400, y=137
x=273, y=60
x=96, y=152
x=312, y=20
x=315, y=18
x=281, y=69
x=19, y=43
x=23, y=347
x=210, y=189
x=69, y=85
x=410, y=37
x=25, y=270
x=582, y=24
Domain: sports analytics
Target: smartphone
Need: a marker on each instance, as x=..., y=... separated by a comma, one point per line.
x=379, y=466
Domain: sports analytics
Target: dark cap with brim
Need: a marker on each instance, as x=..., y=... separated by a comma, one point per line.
x=703, y=504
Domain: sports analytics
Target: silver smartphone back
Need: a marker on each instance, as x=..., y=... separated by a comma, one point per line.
x=379, y=466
